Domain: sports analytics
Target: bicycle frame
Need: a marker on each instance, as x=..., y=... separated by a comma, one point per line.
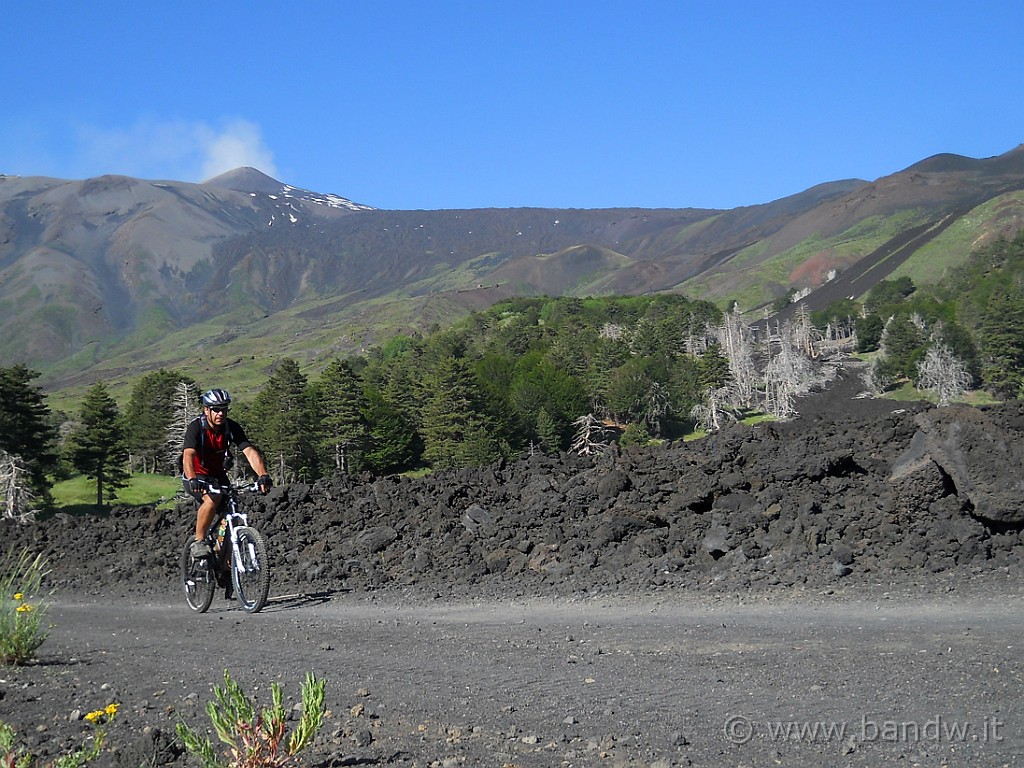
x=229, y=512
x=239, y=561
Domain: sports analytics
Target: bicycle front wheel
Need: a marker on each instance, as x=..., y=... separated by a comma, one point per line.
x=250, y=569
x=198, y=580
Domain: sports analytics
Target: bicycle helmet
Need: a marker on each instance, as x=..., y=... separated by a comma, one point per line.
x=216, y=398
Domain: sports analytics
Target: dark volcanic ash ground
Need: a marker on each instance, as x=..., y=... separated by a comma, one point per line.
x=861, y=562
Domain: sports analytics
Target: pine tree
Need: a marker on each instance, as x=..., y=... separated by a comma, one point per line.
x=714, y=368
x=456, y=431
x=149, y=413
x=393, y=441
x=610, y=351
x=903, y=344
x=97, y=446
x=339, y=404
x=1001, y=332
x=281, y=421
x=684, y=390
x=626, y=392
x=635, y=434
x=657, y=407
x=869, y=333
x=26, y=430
x=538, y=386
x=548, y=432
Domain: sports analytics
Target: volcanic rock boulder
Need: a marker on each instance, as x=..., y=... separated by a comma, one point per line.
x=965, y=451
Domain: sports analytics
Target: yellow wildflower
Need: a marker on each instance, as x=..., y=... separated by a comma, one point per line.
x=18, y=596
x=101, y=716
x=24, y=608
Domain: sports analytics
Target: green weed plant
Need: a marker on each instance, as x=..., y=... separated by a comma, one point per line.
x=13, y=755
x=22, y=607
x=255, y=738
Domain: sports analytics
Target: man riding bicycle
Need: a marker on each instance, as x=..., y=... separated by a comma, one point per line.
x=206, y=459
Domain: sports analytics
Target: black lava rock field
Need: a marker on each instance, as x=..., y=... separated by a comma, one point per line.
x=854, y=491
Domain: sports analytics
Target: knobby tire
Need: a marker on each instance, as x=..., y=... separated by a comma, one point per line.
x=198, y=580
x=250, y=571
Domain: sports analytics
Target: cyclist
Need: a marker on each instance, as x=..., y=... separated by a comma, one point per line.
x=206, y=459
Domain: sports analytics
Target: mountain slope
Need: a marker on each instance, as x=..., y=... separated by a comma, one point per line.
x=81, y=260
x=899, y=213
x=112, y=276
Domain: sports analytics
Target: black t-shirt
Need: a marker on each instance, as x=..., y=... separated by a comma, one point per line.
x=211, y=446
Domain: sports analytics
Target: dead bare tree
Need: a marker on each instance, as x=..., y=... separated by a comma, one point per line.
x=790, y=369
x=184, y=407
x=838, y=339
x=737, y=344
x=940, y=371
x=612, y=331
x=14, y=487
x=657, y=407
x=589, y=436
x=875, y=379
x=805, y=336
x=710, y=414
x=779, y=386
x=696, y=344
x=788, y=372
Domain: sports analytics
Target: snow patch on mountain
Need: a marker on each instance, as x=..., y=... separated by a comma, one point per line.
x=257, y=183
x=331, y=201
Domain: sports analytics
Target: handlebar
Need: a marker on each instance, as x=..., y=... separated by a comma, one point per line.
x=216, y=488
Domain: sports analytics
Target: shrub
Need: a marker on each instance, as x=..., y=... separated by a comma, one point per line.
x=255, y=739
x=13, y=755
x=21, y=606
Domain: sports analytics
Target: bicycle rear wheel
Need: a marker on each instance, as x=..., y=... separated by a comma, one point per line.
x=250, y=569
x=198, y=580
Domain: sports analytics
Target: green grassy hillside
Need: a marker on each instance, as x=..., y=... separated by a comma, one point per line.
x=78, y=495
x=1000, y=217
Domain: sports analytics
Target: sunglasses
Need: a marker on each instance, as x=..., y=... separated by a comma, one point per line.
x=218, y=409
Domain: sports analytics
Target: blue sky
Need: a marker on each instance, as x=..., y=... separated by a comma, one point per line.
x=408, y=105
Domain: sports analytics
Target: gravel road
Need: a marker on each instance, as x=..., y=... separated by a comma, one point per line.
x=817, y=679
x=840, y=590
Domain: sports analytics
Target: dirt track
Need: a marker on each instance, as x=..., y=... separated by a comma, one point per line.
x=844, y=589
x=890, y=680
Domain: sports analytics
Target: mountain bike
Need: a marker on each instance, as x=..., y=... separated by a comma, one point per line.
x=239, y=563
